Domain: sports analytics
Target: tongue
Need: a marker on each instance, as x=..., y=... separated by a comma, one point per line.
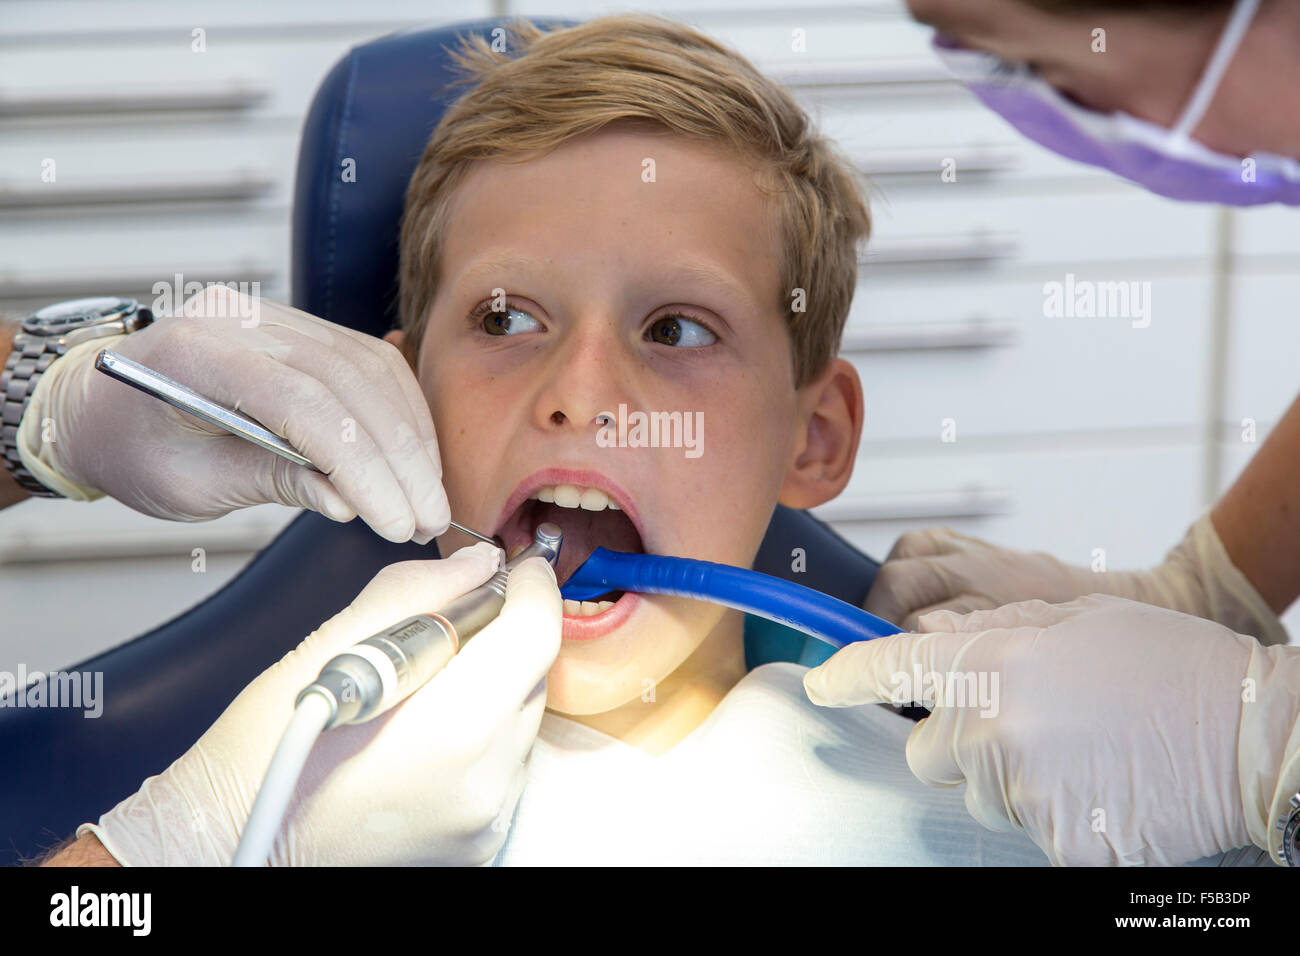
x=584, y=531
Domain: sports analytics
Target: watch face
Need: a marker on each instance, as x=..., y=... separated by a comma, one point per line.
x=1291, y=841
x=63, y=316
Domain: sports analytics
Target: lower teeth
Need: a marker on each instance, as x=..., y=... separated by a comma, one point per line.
x=585, y=608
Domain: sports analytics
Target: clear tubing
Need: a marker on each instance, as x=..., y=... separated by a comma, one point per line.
x=824, y=617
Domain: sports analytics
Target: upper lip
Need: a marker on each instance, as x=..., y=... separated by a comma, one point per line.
x=571, y=476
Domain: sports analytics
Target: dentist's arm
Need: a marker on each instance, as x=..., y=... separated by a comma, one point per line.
x=433, y=781
x=347, y=401
x=85, y=851
x=1111, y=732
x=1258, y=518
x=1238, y=565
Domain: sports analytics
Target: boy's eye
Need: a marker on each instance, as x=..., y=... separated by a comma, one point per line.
x=679, y=330
x=510, y=322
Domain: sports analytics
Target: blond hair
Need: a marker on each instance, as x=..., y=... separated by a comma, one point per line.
x=561, y=84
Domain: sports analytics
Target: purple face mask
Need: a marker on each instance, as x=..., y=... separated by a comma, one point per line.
x=1165, y=161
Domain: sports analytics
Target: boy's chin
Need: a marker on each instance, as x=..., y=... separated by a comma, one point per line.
x=575, y=695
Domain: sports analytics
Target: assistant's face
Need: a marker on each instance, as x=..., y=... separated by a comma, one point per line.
x=1148, y=69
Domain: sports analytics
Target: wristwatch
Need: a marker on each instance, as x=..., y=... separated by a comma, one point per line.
x=40, y=340
x=1287, y=851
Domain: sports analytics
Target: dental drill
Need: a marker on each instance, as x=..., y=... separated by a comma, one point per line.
x=372, y=677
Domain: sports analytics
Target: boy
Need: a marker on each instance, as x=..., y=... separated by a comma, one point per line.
x=626, y=215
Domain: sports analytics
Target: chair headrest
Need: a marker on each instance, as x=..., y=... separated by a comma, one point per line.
x=366, y=131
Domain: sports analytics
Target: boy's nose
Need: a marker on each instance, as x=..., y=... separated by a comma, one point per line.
x=588, y=378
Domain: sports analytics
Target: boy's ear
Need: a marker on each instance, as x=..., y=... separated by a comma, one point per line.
x=831, y=413
x=399, y=338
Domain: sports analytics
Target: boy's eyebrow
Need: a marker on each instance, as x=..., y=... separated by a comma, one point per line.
x=490, y=265
x=698, y=272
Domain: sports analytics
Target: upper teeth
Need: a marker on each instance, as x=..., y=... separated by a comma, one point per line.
x=571, y=496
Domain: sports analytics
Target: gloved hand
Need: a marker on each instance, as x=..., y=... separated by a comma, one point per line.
x=1116, y=732
x=435, y=780
x=941, y=570
x=347, y=401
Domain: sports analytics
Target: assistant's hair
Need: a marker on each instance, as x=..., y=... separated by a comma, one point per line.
x=553, y=86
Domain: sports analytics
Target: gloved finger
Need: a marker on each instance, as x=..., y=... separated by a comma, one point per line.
x=243, y=475
x=903, y=586
x=218, y=361
x=931, y=542
x=932, y=750
x=397, y=592
x=281, y=314
x=405, y=378
x=1021, y=614
x=399, y=373
x=505, y=800
x=299, y=487
x=961, y=605
x=516, y=730
x=297, y=406
x=870, y=672
x=508, y=753
x=499, y=668
x=988, y=808
x=365, y=384
x=336, y=412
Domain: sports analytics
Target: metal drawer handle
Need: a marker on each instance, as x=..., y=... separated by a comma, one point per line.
x=864, y=73
x=974, y=333
x=973, y=247
x=134, y=282
x=929, y=162
x=242, y=538
x=240, y=185
x=975, y=501
x=236, y=94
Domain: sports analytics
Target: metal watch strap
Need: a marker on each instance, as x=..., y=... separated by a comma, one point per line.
x=30, y=357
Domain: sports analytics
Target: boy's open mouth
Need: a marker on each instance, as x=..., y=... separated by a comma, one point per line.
x=590, y=517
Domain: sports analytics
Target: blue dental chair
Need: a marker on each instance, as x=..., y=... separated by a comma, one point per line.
x=378, y=106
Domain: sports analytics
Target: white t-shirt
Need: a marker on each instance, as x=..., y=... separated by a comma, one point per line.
x=768, y=778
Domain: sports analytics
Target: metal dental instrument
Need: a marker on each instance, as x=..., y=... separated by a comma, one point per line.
x=187, y=400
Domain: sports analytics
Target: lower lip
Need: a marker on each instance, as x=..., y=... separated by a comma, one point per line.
x=596, y=626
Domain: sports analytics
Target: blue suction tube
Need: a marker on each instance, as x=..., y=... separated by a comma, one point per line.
x=824, y=617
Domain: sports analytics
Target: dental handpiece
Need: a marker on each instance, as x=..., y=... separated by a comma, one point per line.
x=373, y=676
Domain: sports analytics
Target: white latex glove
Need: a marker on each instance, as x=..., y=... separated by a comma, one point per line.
x=1117, y=732
x=435, y=780
x=941, y=570
x=347, y=401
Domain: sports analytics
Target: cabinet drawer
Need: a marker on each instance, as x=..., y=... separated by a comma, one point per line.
x=1001, y=367
x=1063, y=229
x=1064, y=500
x=1263, y=375
x=1268, y=231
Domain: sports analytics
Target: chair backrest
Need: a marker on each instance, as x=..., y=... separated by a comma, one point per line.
x=376, y=107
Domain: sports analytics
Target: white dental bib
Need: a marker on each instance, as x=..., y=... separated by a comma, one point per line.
x=767, y=779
